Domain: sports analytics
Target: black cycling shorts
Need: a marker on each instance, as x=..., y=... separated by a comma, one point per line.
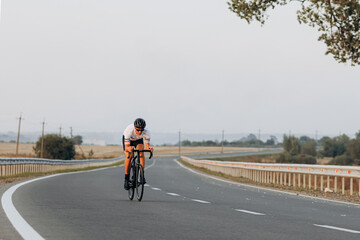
x=132, y=143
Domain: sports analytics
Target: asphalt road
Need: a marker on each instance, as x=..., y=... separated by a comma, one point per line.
x=177, y=204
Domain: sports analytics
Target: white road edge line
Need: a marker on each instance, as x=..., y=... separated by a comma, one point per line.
x=200, y=201
x=19, y=223
x=250, y=212
x=267, y=189
x=156, y=189
x=337, y=228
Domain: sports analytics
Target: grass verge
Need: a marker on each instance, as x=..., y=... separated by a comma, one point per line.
x=23, y=176
x=355, y=198
x=259, y=158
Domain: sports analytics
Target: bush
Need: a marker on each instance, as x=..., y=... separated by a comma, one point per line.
x=299, y=159
x=304, y=159
x=56, y=147
x=342, y=160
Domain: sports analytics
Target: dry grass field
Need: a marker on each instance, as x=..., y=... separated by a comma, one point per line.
x=26, y=150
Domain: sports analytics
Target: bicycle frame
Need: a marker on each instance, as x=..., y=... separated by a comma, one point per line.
x=137, y=175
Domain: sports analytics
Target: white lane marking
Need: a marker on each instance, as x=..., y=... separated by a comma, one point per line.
x=267, y=189
x=151, y=164
x=249, y=212
x=337, y=228
x=199, y=201
x=156, y=189
x=19, y=223
x=173, y=194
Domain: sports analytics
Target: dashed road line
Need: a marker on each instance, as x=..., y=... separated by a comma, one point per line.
x=337, y=228
x=200, y=201
x=156, y=189
x=173, y=194
x=250, y=212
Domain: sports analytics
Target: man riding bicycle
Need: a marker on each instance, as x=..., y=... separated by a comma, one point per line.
x=133, y=137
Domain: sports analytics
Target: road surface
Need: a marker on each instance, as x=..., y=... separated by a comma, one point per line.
x=177, y=204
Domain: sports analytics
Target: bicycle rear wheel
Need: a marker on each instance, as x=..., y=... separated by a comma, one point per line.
x=132, y=180
x=139, y=182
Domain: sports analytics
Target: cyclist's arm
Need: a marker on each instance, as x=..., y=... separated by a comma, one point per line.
x=147, y=140
x=128, y=148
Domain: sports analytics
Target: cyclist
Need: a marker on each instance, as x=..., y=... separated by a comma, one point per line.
x=133, y=137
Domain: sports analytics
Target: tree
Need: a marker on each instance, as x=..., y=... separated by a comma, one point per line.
x=78, y=139
x=56, y=147
x=291, y=145
x=308, y=147
x=338, y=22
x=336, y=146
x=353, y=149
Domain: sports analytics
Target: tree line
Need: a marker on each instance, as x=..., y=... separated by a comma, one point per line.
x=250, y=141
x=342, y=150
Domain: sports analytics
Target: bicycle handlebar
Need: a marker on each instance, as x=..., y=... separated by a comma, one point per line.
x=139, y=151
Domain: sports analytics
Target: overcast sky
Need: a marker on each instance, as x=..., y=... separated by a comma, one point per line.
x=96, y=65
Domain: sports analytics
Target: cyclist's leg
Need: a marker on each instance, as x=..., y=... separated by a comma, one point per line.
x=127, y=159
x=142, y=155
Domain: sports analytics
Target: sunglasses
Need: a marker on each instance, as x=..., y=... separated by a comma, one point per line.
x=139, y=130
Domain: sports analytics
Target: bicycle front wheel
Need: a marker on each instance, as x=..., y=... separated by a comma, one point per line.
x=139, y=182
x=132, y=179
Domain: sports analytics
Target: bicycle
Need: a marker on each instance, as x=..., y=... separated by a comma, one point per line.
x=137, y=175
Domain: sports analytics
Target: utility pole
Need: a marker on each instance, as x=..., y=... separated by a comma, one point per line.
x=222, y=142
x=18, y=136
x=60, y=131
x=42, y=141
x=316, y=137
x=71, y=132
x=179, y=143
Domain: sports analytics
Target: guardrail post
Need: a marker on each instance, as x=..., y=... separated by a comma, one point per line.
x=294, y=180
x=309, y=181
x=299, y=180
x=304, y=179
x=289, y=179
x=315, y=181
x=351, y=186
x=335, y=184
x=322, y=183
x=343, y=185
x=281, y=178
x=328, y=182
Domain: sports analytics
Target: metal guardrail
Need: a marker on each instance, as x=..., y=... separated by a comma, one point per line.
x=295, y=175
x=244, y=151
x=15, y=166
